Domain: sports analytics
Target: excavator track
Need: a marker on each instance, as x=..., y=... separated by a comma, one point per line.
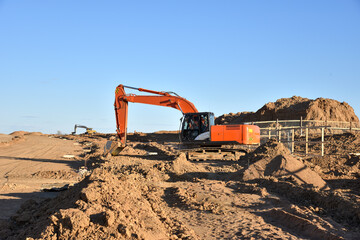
x=226, y=153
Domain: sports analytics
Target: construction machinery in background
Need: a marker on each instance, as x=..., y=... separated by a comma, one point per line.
x=89, y=131
x=199, y=136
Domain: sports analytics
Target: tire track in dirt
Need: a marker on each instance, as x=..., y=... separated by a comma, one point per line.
x=219, y=214
x=20, y=161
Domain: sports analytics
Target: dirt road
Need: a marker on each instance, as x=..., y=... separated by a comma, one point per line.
x=33, y=163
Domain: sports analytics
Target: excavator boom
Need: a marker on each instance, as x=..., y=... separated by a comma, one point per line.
x=165, y=99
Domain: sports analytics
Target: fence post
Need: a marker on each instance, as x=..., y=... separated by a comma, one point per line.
x=292, y=140
x=326, y=122
x=269, y=132
x=277, y=130
x=322, y=142
x=279, y=133
x=306, y=141
x=301, y=125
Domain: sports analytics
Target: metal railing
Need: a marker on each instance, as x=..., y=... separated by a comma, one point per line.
x=290, y=132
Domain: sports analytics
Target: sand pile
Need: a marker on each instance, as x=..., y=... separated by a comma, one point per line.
x=274, y=159
x=19, y=133
x=181, y=169
x=5, y=138
x=181, y=165
x=9, y=139
x=114, y=202
x=295, y=108
x=22, y=133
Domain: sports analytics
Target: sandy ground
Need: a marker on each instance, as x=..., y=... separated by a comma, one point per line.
x=32, y=164
x=142, y=196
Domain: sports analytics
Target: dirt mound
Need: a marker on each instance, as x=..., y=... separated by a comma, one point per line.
x=60, y=174
x=229, y=118
x=35, y=133
x=22, y=133
x=181, y=169
x=331, y=110
x=7, y=140
x=342, y=157
x=19, y=133
x=295, y=108
x=112, y=203
x=130, y=150
x=273, y=159
x=339, y=206
x=4, y=138
x=270, y=149
x=181, y=165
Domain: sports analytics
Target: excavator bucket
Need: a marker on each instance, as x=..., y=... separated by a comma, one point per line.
x=113, y=147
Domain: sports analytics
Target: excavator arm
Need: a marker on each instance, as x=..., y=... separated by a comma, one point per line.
x=165, y=99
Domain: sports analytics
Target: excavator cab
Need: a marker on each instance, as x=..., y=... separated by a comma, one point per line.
x=196, y=126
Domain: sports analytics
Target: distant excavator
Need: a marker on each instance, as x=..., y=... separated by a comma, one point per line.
x=89, y=131
x=200, y=137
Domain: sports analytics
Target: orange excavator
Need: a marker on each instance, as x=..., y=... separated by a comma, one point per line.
x=200, y=137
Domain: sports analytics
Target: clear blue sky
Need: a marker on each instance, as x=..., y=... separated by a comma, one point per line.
x=60, y=61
